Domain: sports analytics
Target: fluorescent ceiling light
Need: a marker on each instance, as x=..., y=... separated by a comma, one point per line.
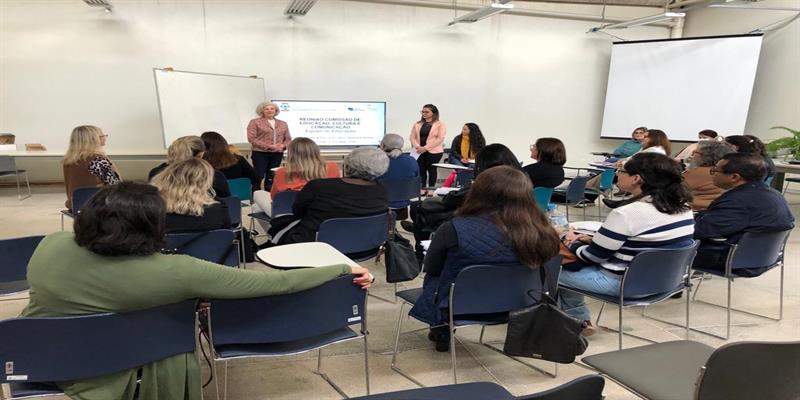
x=485, y=12
x=100, y=3
x=746, y=6
x=299, y=7
x=640, y=21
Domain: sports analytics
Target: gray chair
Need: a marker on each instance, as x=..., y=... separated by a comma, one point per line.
x=684, y=370
x=574, y=194
x=8, y=167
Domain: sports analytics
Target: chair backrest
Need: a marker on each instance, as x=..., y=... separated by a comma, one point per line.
x=658, y=271
x=217, y=246
x=283, y=202
x=7, y=164
x=402, y=189
x=759, y=249
x=751, y=370
x=234, y=205
x=576, y=189
x=464, y=177
x=47, y=349
x=333, y=305
x=14, y=256
x=354, y=235
x=768, y=180
x=80, y=196
x=542, y=195
x=241, y=188
x=486, y=289
x=607, y=179
x=589, y=387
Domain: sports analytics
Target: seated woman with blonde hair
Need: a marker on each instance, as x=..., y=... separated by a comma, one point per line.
x=304, y=163
x=184, y=148
x=186, y=189
x=85, y=163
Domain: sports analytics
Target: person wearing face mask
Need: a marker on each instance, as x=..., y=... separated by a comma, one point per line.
x=702, y=136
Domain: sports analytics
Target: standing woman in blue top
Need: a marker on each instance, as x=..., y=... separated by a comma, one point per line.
x=467, y=144
x=269, y=137
x=427, y=136
x=657, y=216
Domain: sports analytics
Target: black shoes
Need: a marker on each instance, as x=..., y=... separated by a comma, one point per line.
x=441, y=338
x=407, y=225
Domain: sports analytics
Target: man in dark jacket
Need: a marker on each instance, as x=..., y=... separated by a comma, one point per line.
x=747, y=205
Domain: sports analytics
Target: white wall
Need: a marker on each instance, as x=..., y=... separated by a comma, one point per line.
x=776, y=93
x=63, y=63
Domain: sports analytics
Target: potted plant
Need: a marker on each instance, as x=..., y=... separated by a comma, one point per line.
x=786, y=145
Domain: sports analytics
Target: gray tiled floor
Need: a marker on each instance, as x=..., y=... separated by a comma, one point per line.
x=291, y=378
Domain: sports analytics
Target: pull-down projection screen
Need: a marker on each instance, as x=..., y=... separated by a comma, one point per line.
x=681, y=86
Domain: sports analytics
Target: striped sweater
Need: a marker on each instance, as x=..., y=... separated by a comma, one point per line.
x=632, y=228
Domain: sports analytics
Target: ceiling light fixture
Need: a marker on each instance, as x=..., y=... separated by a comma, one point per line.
x=299, y=7
x=639, y=21
x=485, y=12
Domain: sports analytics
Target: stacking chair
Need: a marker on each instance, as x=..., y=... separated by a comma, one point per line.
x=589, y=387
x=282, y=325
x=8, y=167
x=14, y=257
x=542, y=195
x=403, y=189
x=789, y=180
x=754, y=250
x=38, y=351
x=79, y=197
x=355, y=235
x=241, y=188
x=606, y=188
x=464, y=177
x=218, y=246
x=574, y=193
x=481, y=295
x=281, y=205
x=692, y=370
x=652, y=276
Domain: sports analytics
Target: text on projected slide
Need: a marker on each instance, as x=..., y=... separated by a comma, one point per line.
x=334, y=123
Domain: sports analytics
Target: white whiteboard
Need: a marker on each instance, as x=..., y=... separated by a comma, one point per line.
x=191, y=103
x=681, y=86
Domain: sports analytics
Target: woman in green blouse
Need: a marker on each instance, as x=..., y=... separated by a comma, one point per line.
x=112, y=264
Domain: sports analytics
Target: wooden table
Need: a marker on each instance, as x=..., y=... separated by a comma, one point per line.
x=302, y=255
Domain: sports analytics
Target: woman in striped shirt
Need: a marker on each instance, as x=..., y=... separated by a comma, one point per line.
x=657, y=216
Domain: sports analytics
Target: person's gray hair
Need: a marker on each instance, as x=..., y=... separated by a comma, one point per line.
x=392, y=144
x=366, y=163
x=711, y=152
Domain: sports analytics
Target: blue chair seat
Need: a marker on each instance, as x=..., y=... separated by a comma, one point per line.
x=627, y=302
x=410, y=295
x=736, y=273
x=26, y=389
x=464, y=391
x=285, y=348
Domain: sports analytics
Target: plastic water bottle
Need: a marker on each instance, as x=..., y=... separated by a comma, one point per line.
x=557, y=219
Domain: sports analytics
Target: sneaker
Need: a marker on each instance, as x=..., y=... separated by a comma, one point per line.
x=407, y=225
x=676, y=295
x=588, y=329
x=584, y=204
x=442, y=346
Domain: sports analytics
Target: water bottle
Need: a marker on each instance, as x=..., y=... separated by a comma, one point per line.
x=557, y=219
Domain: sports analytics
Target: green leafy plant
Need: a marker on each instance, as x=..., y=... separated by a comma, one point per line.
x=790, y=142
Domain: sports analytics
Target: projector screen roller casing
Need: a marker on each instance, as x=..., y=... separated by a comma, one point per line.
x=335, y=124
x=681, y=86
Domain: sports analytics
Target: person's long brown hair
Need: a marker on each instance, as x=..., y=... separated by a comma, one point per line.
x=505, y=194
x=217, y=152
x=657, y=137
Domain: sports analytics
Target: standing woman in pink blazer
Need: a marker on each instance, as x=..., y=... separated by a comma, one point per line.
x=269, y=137
x=427, y=136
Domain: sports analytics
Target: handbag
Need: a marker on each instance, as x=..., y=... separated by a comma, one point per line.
x=544, y=331
x=401, y=261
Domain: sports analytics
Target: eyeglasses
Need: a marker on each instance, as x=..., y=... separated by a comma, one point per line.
x=103, y=136
x=623, y=171
x=714, y=170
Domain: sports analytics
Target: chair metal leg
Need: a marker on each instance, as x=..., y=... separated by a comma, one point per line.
x=453, y=351
x=225, y=382
x=687, y=292
x=62, y=222
x=728, y=328
x=326, y=377
x=620, y=325
x=366, y=362
x=780, y=307
x=553, y=374
x=393, y=363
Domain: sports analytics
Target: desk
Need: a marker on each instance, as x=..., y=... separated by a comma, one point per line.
x=781, y=169
x=302, y=255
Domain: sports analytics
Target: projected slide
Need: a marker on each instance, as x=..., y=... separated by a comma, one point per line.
x=335, y=123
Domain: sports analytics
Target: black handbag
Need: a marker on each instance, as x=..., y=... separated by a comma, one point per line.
x=401, y=261
x=544, y=331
